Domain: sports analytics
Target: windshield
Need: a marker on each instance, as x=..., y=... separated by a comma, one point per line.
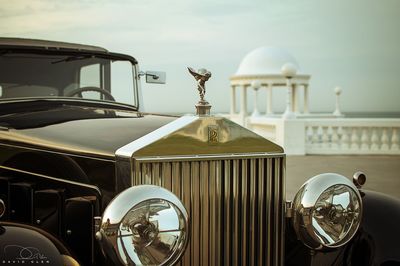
x=65, y=76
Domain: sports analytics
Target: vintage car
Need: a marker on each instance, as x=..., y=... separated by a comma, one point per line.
x=88, y=178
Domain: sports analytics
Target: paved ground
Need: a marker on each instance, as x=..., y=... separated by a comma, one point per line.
x=383, y=172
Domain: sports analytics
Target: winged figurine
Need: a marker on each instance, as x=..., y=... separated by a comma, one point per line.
x=201, y=76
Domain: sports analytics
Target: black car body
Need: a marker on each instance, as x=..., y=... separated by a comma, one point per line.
x=74, y=141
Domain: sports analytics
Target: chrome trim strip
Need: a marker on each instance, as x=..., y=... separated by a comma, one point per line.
x=253, y=211
x=236, y=205
x=279, y=213
x=227, y=212
x=196, y=224
x=261, y=200
x=204, y=211
x=269, y=220
x=245, y=210
x=282, y=203
x=210, y=157
x=128, y=150
x=186, y=200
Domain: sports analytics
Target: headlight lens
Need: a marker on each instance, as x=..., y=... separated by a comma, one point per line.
x=327, y=211
x=144, y=225
x=336, y=215
x=156, y=228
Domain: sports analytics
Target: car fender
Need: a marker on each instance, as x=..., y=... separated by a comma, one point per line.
x=20, y=243
x=378, y=240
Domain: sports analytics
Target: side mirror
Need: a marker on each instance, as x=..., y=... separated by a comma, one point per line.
x=156, y=77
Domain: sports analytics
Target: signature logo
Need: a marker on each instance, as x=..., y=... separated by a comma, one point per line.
x=16, y=254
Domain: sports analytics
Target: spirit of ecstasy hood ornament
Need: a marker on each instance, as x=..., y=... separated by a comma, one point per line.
x=201, y=76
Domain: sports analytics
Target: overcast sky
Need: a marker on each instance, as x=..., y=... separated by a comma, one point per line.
x=353, y=44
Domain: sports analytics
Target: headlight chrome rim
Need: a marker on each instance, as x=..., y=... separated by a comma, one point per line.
x=126, y=230
x=332, y=217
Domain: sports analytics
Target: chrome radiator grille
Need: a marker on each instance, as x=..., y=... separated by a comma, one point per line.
x=235, y=205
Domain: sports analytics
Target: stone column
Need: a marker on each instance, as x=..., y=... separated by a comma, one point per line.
x=243, y=105
x=295, y=102
x=269, y=99
x=306, y=110
x=233, y=100
x=288, y=114
x=289, y=71
x=255, y=84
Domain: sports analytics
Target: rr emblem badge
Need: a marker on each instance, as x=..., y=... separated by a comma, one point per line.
x=213, y=134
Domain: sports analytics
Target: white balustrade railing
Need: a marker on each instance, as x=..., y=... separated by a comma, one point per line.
x=327, y=135
x=352, y=136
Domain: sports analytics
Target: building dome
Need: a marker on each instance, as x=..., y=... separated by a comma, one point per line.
x=265, y=61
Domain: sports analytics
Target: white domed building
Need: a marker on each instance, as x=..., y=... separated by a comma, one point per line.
x=262, y=69
x=299, y=131
x=265, y=60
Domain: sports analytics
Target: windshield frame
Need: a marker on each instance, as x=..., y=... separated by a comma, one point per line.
x=77, y=53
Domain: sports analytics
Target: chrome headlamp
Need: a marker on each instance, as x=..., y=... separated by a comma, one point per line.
x=144, y=225
x=327, y=211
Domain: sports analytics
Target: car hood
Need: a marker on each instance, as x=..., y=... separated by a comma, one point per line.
x=92, y=132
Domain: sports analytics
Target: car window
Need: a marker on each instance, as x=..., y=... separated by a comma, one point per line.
x=25, y=75
x=121, y=82
x=90, y=77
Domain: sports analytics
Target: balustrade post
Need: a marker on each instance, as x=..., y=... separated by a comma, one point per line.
x=395, y=140
x=345, y=140
x=309, y=135
x=354, y=139
x=384, y=140
x=325, y=138
x=335, y=138
x=364, y=139
x=374, y=140
x=316, y=136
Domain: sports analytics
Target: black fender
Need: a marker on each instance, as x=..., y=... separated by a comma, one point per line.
x=377, y=241
x=25, y=244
